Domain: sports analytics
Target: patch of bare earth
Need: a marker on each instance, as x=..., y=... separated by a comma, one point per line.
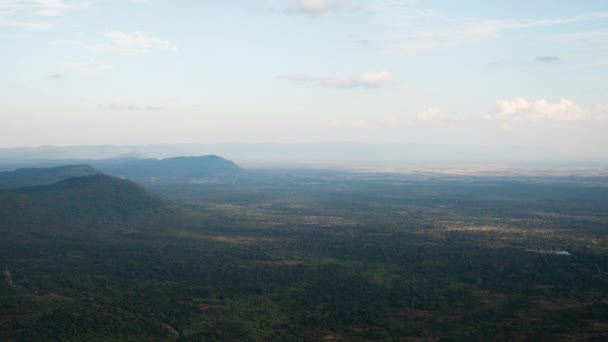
x=171, y=329
x=8, y=276
x=493, y=300
x=208, y=307
x=227, y=206
x=497, y=229
x=326, y=221
x=283, y=262
x=298, y=206
x=558, y=305
x=545, y=306
x=491, y=236
x=232, y=239
x=240, y=239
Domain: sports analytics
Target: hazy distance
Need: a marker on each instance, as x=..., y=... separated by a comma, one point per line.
x=468, y=81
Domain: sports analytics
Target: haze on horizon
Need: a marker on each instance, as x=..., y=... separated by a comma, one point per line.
x=470, y=73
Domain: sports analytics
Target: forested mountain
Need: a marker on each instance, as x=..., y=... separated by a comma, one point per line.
x=78, y=205
x=41, y=176
x=204, y=169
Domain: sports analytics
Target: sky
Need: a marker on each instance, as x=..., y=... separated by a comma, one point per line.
x=484, y=73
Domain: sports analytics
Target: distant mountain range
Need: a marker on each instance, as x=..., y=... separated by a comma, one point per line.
x=335, y=153
x=204, y=169
x=81, y=200
x=89, y=200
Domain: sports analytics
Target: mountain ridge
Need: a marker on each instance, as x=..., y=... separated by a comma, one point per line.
x=27, y=177
x=210, y=168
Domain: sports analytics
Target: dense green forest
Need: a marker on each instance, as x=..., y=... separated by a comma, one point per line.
x=305, y=255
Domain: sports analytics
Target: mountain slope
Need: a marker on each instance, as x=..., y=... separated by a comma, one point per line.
x=42, y=176
x=180, y=169
x=80, y=205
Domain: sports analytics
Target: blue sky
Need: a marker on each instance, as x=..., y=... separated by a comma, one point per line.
x=527, y=73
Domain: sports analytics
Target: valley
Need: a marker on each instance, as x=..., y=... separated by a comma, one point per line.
x=305, y=255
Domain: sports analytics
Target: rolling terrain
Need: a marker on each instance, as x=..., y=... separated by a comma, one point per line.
x=306, y=255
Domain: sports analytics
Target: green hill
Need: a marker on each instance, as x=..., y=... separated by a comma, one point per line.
x=42, y=176
x=62, y=244
x=82, y=205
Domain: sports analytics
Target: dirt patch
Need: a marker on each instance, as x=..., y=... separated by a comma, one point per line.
x=8, y=276
x=233, y=239
x=283, y=262
x=298, y=206
x=171, y=329
x=493, y=300
x=558, y=305
x=326, y=221
x=227, y=206
x=239, y=239
x=544, y=306
x=497, y=229
x=208, y=307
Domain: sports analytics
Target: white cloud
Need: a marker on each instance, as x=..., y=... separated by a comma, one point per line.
x=372, y=79
x=123, y=42
x=134, y=42
x=410, y=29
x=520, y=109
x=25, y=24
x=316, y=7
x=429, y=114
x=509, y=107
x=32, y=14
x=38, y=7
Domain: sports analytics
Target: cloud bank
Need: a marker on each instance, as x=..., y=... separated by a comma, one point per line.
x=520, y=109
x=371, y=79
x=411, y=29
x=123, y=43
x=33, y=14
x=429, y=114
